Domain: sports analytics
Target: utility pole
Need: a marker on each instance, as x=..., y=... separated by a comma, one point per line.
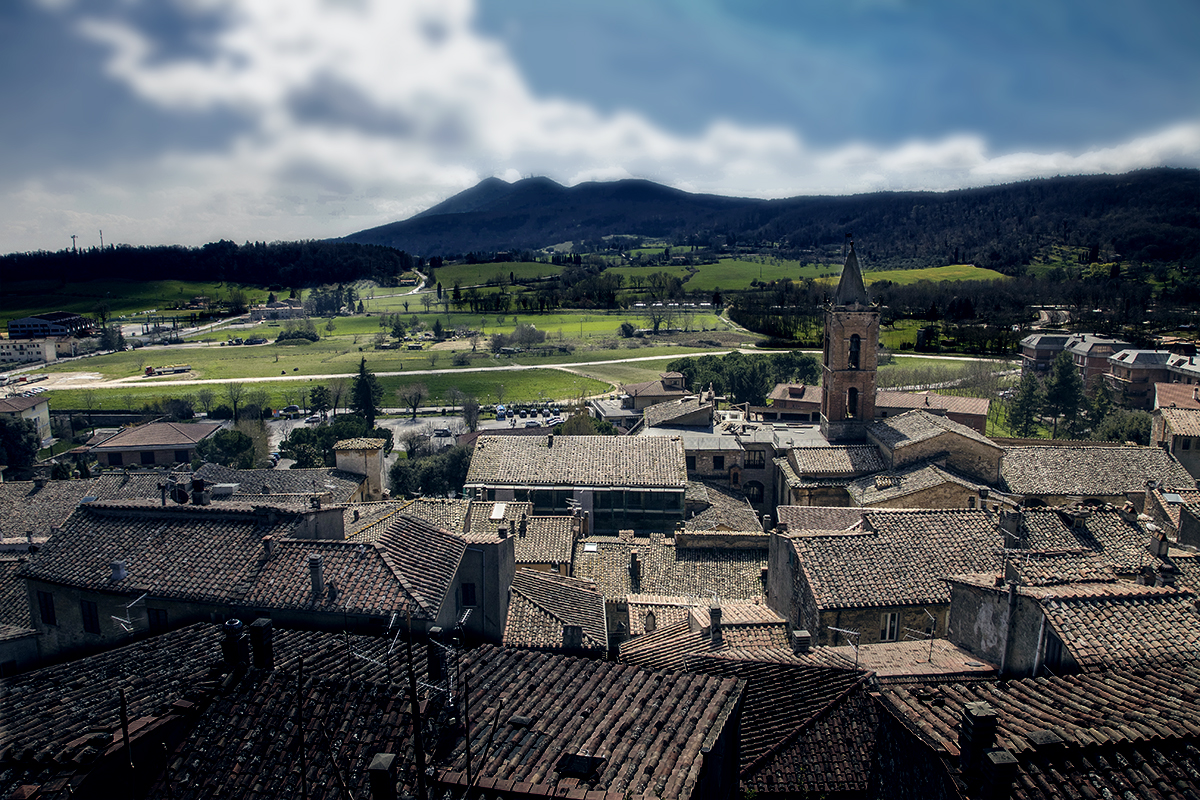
x=101, y=240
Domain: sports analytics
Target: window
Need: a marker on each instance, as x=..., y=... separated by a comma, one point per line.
x=114, y=459
x=468, y=594
x=691, y=463
x=147, y=456
x=756, y=459
x=181, y=456
x=1053, y=659
x=157, y=618
x=753, y=491
x=971, y=502
x=46, y=608
x=1187, y=444
x=852, y=402
x=718, y=463
x=855, y=351
x=91, y=616
x=889, y=626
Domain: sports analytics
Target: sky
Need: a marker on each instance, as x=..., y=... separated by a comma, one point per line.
x=189, y=121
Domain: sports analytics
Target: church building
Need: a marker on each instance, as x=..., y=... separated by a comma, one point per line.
x=850, y=359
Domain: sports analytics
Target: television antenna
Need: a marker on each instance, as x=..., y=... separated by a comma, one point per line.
x=126, y=622
x=848, y=633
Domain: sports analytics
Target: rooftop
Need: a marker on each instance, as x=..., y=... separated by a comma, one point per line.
x=917, y=426
x=1180, y=395
x=339, y=485
x=160, y=434
x=542, y=604
x=1110, y=734
x=1089, y=471
x=665, y=569
x=1182, y=421
x=743, y=626
x=360, y=444
x=726, y=510
x=609, y=461
x=886, y=486
x=643, y=733
x=15, y=405
x=676, y=412
x=844, y=461
x=954, y=404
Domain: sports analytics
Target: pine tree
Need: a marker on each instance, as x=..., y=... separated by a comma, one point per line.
x=1064, y=394
x=1022, y=411
x=365, y=394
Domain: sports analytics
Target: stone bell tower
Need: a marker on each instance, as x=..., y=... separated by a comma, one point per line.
x=850, y=358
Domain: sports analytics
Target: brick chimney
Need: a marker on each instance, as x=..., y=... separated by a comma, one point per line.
x=714, y=625
x=118, y=571
x=382, y=776
x=801, y=642
x=316, y=571
x=261, y=644
x=977, y=735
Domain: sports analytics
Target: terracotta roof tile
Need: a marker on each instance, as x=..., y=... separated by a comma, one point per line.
x=337, y=484
x=668, y=570
x=892, y=485
x=1182, y=421
x=726, y=511
x=578, y=461
x=1089, y=471
x=843, y=461
x=161, y=434
x=542, y=603
x=666, y=413
x=913, y=427
x=1119, y=729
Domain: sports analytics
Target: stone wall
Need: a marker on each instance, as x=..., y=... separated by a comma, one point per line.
x=967, y=456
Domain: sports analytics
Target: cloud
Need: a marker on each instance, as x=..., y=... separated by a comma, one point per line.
x=364, y=112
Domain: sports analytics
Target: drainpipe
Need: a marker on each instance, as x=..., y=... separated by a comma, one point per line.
x=1008, y=625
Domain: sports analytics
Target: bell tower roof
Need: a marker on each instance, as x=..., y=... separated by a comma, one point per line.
x=851, y=288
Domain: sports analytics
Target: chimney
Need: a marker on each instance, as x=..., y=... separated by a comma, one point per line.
x=550, y=440
x=999, y=773
x=801, y=642
x=382, y=776
x=268, y=543
x=316, y=571
x=502, y=531
x=162, y=490
x=235, y=650
x=573, y=637
x=433, y=655
x=39, y=482
x=332, y=592
x=766, y=522
x=635, y=564
x=261, y=631
x=782, y=527
x=1157, y=544
x=714, y=624
x=523, y=526
x=118, y=571
x=977, y=735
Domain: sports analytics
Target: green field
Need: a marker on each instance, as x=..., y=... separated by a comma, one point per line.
x=479, y=274
x=735, y=274
x=952, y=272
x=24, y=298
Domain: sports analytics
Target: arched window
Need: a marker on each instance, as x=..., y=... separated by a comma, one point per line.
x=852, y=402
x=651, y=623
x=855, y=351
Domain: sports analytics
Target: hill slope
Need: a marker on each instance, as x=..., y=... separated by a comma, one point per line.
x=1147, y=215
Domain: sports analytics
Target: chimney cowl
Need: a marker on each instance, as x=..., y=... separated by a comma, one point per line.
x=714, y=623
x=316, y=571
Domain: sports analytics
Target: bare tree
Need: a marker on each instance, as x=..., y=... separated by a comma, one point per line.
x=470, y=413
x=412, y=395
x=338, y=387
x=90, y=401
x=205, y=397
x=234, y=392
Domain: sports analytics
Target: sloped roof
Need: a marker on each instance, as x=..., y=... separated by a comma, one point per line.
x=185, y=664
x=726, y=511
x=882, y=487
x=806, y=729
x=885, y=398
x=215, y=554
x=1182, y=421
x=24, y=508
x=917, y=426
x=14, y=601
x=1089, y=471
x=677, y=412
x=360, y=444
x=743, y=626
x=15, y=405
x=160, y=434
x=818, y=518
x=850, y=288
x=668, y=570
x=341, y=485
x=1124, y=625
x=541, y=604
x=1118, y=730
x=637, y=461
x=649, y=729
x=839, y=460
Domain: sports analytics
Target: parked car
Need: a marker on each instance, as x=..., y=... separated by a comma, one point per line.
x=533, y=423
x=442, y=433
x=315, y=418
